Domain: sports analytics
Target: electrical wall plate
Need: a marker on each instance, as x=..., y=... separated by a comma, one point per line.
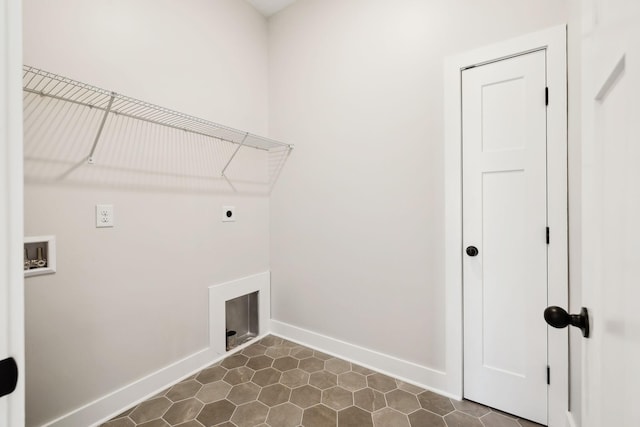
x=104, y=216
x=228, y=213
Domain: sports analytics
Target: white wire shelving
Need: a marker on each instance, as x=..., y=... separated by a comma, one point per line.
x=47, y=84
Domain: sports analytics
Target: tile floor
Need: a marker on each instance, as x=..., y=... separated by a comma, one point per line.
x=277, y=383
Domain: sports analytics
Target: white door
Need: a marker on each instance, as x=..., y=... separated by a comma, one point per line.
x=505, y=217
x=611, y=212
x=11, y=235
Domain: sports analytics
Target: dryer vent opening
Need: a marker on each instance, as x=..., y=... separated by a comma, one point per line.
x=242, y=320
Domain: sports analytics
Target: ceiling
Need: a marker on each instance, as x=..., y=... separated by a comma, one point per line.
x=269, y=7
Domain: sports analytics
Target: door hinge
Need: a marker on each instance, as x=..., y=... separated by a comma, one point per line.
x=547, y=235
x=548, y=375
x=546, y=96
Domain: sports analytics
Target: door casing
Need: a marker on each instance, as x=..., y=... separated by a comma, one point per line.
x=554, y=42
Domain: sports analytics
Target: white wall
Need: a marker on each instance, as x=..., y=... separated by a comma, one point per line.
x=357, y=216
x=130, y=300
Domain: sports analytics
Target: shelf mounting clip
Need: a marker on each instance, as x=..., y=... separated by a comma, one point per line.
x=234, y=154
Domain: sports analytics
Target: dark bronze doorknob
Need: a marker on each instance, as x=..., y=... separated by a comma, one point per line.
x=559, y=318
x=472, y=251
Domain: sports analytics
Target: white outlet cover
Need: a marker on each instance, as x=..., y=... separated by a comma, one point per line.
x=228, y=213
x=104, y=216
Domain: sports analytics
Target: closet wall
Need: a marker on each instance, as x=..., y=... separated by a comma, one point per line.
x=129, y=300
x=359, y=85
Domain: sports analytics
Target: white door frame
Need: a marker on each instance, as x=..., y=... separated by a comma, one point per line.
x=12, y=410
x=554, y=41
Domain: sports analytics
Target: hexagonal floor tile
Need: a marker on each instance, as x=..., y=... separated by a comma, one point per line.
x=243, y=393
x=265, y=377
x=239, y=375
x=260, y=362
x=422, y=418
x=155, y=423
x=150, y=410
x=381, y=382
x=256, y=349
x=183, y=390
x=354, y=417
x=402, y=401
x=286, y=363
x=294, y=378
x=435, y=403
x=213, y=392
x=274, y=394
x=388, y=417
x=301, y=353
x=323, y=380
x=369, y=399
x=285, y=415
x=337, y=366
x=250, y=414
x=216, y=413
x=471, y=408
x=457, y=418
x=183, y=411
x=119, y=422
x=319, y=416
x=277, y=351
x=311, y=364
x=234, y=361
x=352, y=381
x=306, y=396
x=210, y=375
x=337, y=398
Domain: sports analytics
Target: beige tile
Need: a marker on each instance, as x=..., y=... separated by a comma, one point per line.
x=402, y=401
x=337, y=398
x=159, y=422
x=150, y=410
x=216, y=413
x=183, y=411
x=352, y=381
x=250, y=414
x=243, y=393
x=311, y=364
x=285, y=415
x=265, y=377
x=494, y=419
x=423, y=418
x=323, y=380
x=210, y=375
x=369, y=399
x=413, y=389
x=322, y=356
x=526, y=423
x=381, y=382
x=286, y=363
x=471, y=408
x=213, y=392
x=234, y=361
x=294, y=378
x=192, y=423
x=274, y=394
x=260, y=362
x=460, y=419
x=270, y=341
x=337, y=366
x=239, y=375
x=435, y=403
x=354, y=417
x=361, y=370
x=254, y=350
x=305, y=396
x=388, y=417
x=319, y=416
x=278, y=351
x=301, y=353
x=119, y=422
x=183, y=390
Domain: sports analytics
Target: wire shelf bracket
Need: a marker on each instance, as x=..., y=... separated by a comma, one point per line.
x=61, y=88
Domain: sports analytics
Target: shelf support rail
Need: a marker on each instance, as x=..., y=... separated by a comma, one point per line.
x=234, y=154
x=91, y=160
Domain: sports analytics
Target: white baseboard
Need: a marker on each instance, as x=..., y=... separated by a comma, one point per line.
x=421, y=376
x=571, y=421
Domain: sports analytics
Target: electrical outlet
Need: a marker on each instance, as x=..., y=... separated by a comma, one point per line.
x=228, y=213
x=104, y=216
